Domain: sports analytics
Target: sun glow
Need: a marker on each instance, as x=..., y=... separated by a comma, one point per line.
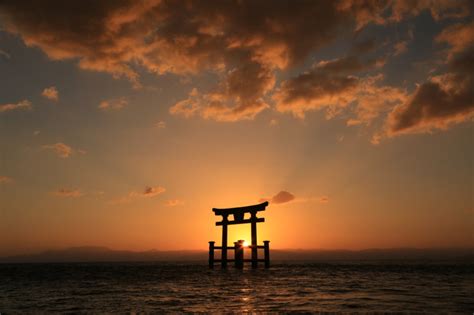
x=245, y=244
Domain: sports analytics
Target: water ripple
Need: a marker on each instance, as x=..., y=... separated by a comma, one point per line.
x=158, y=287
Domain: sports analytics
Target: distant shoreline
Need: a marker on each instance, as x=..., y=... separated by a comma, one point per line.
x=103, y=254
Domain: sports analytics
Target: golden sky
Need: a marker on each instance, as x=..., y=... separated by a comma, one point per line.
x=123, y=123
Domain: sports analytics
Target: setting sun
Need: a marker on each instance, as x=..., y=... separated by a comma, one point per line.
x=246, y=244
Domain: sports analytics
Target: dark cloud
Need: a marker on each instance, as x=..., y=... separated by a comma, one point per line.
x=314, y=90
x=329, y=86
x=363, y=47
x=244, y=42
x=445, y=99
x=324, y=199
x=438, y=9
x=152, y=191
x=281, y=197
x=234, y=99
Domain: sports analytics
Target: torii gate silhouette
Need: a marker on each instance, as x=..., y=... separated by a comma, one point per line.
x=238, y=216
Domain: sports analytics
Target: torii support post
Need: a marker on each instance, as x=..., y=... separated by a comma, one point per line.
x=211, y=254
x=239, y=254
x=224, y=242
x=254, y=239
x=266, y=247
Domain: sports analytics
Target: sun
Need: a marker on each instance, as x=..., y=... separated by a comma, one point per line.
x=245, y=244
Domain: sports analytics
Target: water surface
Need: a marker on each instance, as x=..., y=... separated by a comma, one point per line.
x=157, y=287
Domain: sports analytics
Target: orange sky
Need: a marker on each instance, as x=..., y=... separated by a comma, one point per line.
x=123, y=126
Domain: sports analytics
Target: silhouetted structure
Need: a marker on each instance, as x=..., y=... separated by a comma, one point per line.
x=239, y=218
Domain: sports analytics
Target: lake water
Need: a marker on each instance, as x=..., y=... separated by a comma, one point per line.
x=158, y=287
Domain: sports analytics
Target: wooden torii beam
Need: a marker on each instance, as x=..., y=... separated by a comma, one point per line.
x=238, y=215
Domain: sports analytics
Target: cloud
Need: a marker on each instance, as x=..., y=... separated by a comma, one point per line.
x=147, y=192
x=400, y=47
x=314, y=90
x=238, y=97
x=36, y=132
x=281, y=197
x=62, y=150
x=347, y=65
x=443, y=100
x=5, y=54
x=51, y=93
x=329, y=85
x=160, y=125
x=152, y=191
x=324, y=199
x=69, y=193
x=363, y=47
x=5, y=179
x=113, y=104
x=438, y=9
x=365, y=12
x=24, y=105
x=174, y=202
x=243, y=42
x=459, y=37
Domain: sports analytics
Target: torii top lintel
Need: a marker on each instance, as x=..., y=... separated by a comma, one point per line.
x=239, y=212
x=252, y=208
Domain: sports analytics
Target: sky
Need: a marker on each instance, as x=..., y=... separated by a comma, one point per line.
x=123, y=123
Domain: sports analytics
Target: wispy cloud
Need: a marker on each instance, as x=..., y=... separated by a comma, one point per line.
x=400, y=47
x=151, y=191
x=61, y=149
x=4, y=54
x=5, y=179
x=22, y=105
x=160, y=125
x=148, y=192
x=113, y=104
x=174, y=203
x=324, y=199
x=51, y=93
x=68, y=193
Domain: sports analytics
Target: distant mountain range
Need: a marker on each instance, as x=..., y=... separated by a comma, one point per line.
x=103, y=254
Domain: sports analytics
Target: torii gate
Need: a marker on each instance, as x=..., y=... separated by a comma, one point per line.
x=238, y=216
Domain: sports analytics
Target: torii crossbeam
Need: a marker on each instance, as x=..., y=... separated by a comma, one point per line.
x=238, y=216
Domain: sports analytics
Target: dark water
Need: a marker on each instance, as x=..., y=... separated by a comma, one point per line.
x=158, y=287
